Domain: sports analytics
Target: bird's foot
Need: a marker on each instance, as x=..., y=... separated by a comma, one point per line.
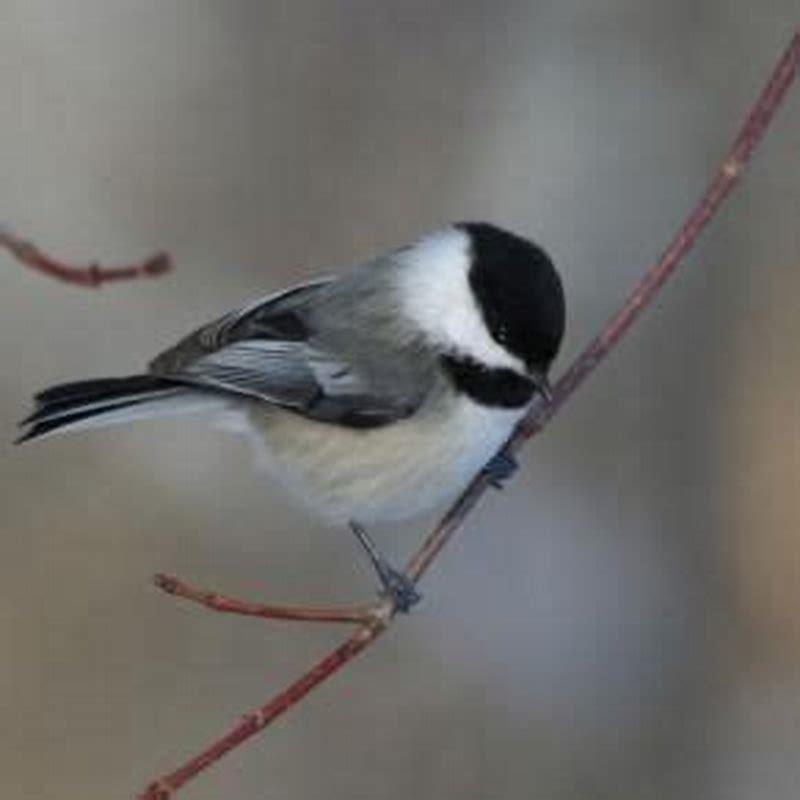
x=500, y=468
x=396, y=585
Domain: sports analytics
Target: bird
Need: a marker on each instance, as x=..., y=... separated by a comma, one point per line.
x=371, y=396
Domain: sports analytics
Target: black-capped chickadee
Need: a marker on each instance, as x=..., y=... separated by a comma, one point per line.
x=372, y=396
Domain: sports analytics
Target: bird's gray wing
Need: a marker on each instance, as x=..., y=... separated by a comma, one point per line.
x=270, y=351
x=279, y=314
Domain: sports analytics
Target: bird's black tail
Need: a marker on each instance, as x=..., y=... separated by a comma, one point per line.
x=107, y=401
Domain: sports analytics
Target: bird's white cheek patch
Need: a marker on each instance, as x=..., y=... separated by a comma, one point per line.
x=436, y=294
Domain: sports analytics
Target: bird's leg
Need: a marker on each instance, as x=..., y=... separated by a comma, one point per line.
x=500, y=468
x=395, y=584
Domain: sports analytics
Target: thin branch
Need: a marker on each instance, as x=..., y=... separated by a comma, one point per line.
x=230, y=605
x=587, y=361
x=91, y=276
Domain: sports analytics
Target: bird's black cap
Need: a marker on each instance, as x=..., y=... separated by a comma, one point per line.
x=519, y=293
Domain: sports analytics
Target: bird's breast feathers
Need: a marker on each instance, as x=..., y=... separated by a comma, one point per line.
x=385, y=473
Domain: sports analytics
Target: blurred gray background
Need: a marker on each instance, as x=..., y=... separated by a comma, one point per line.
x=622, y=621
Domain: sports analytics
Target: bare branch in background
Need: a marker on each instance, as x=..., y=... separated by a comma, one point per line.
x=379, y=617
x=91, y=276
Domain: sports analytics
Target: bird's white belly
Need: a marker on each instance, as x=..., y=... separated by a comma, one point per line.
x=391, y=472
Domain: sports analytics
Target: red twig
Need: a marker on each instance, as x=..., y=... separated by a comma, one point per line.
x=230, y=605
x=91, y=276
x=587, y=361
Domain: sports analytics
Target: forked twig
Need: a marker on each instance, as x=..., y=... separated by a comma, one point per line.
x=587, y=361
x=230, y=605
x=91, y=276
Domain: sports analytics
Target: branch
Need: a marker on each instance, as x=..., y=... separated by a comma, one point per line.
x=642, y=295
x=230, y=605
x=92, y=276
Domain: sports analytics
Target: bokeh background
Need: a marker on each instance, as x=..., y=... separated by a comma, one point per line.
x=622, y=621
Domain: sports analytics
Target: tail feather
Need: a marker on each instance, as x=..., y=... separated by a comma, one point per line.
x=108, y=401
x=101, y=388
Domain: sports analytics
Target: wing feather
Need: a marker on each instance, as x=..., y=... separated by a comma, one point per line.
x=270, y=351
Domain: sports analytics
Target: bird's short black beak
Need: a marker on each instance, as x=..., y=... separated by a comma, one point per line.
x=542, y=384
